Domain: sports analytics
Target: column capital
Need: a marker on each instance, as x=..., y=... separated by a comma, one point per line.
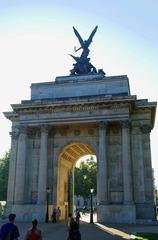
x=146, y=128
x=45, y=129
x=22, y=129
x=102, y=124
x=14, y=134
x=125, y=123
x=31, y=132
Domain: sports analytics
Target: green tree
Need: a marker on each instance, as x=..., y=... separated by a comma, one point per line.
x=85, y=177
x=4, y=169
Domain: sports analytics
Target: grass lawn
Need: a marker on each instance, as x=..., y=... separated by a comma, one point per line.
x=147, y=236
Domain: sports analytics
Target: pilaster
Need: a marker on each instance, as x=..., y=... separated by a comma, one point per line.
x=126, y=159
x=102, y=188
x=12, y=166
x=138, y=164
x=148, y=177
x=20, y=166
x=42, y=175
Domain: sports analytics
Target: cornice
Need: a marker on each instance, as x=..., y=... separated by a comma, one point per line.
x=11, y=115
x=74, y=105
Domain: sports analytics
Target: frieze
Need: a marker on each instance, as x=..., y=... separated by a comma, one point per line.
x=74, y=108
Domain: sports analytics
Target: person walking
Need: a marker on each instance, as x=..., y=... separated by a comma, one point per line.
x=34, y=233
x=74, y=233
x=68, y=225
x=54, y=215
x=78, y=216
x=9, y=231
x=58, y=214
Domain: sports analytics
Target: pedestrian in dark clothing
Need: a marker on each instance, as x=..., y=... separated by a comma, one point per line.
x=78, y=216
x=68, y=225
x=74, y=233
x=58, y=214
x=54, y=215
x=9, y=231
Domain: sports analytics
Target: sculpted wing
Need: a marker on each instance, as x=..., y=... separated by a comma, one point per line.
x=76, y=58
x=78, y=36
x=92, y=35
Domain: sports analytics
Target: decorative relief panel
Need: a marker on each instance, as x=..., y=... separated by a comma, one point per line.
x=91, y=131
x=75, y=108
x=76, y=132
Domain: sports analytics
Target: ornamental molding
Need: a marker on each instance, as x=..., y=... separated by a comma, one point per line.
x=73, y=108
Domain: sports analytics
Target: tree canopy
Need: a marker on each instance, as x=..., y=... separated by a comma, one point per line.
x=85, y=177
x=4, y=169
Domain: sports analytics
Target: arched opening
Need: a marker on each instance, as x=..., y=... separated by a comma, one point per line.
x=65, y=180
x=85, y=187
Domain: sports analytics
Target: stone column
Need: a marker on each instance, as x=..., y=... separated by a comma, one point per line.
x=126, y=160
x=20, y=166
x=12, y=167
x=42, y=174
x=148, y=176
x=102, y=187
x=138, y=165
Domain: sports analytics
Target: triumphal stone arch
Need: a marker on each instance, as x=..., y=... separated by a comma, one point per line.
x=84, y=113
x=72, y=117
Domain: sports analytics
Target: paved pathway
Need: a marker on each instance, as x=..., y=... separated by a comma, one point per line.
x=57, y=231
x=88, y=231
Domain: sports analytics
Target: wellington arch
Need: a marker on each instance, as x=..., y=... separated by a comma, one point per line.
x=71, y=117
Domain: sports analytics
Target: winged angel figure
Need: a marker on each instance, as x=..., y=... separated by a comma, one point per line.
x=83, y=65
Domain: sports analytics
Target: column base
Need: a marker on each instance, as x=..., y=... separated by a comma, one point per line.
x=116, y=213
x=27, y=212
x=103, y=203
x=145, y=211
x=7, y=209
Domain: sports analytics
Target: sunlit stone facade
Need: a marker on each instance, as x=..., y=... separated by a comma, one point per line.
x=72, y=117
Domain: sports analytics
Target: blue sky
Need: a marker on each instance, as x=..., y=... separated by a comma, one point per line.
x=36, y=38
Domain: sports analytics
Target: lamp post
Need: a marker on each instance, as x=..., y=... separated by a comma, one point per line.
x=91, y=212
x=47, y=198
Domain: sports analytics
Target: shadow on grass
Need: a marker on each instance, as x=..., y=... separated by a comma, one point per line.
x=146, y=236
